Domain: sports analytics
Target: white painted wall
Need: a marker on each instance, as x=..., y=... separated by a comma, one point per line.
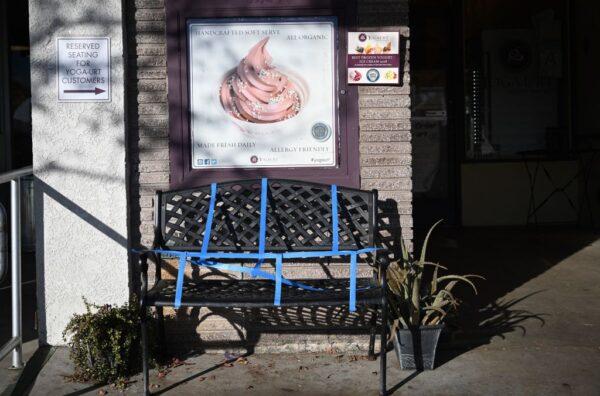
x=79, y=162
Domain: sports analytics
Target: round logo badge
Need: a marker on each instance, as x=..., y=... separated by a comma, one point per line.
x=254, y=159
x=321, y=131
x=373, y=75
x=516, y=55
x=362, y=37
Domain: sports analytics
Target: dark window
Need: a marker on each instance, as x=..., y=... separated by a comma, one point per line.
x=516, y=79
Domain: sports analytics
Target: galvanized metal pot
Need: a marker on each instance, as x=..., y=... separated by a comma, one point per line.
x=415, y=347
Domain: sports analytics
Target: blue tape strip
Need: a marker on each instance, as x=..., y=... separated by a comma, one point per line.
x=330, y=253
x=353, y=282
x=200, y=259
x=209, y=219
x=180, y=276
x=334, y=219
x=278, y=279
x=262, y=274
x=263, y=216
x=262, y=237
x=267, y=255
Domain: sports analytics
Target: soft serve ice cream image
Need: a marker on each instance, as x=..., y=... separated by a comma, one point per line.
x=258, y=92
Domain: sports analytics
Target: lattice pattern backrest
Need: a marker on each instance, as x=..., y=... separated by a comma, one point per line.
x=298, y=217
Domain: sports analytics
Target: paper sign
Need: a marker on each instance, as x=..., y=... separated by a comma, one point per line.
x=83, y=69
x=373, y=57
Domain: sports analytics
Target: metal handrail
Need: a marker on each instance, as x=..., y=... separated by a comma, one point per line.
x=3, y=242
x=15, y=344
x=16, y=174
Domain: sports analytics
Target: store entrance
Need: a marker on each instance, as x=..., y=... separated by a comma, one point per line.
x=16, y=153
x=434, y=122
x=15, y=86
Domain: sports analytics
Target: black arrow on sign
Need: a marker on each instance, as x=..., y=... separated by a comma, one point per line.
x=95, y=91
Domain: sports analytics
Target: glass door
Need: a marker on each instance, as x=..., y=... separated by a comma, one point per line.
x=516, y=79
x=16, y=151
x=433, y=62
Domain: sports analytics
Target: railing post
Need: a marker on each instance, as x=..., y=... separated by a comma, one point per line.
x=15, y=229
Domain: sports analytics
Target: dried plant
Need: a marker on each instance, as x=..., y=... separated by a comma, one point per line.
x=417, y=299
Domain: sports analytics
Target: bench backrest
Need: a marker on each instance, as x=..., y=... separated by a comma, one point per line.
x=299, y=217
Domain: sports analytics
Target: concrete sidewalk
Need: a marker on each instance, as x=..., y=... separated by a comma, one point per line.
x=483, y=371
x=537, y=332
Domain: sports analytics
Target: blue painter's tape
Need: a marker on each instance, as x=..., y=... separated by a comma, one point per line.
x=209, y=218
x=335, y=242
x=180, y=276
x=353, y=282
x=278, y=278
x=262, y=237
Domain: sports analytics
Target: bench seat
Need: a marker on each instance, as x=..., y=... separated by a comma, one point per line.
x=258, y=293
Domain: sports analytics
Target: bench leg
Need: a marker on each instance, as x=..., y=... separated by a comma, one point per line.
x=161, y=328
x=144, y=328
x=373, y=335
x=382, y=361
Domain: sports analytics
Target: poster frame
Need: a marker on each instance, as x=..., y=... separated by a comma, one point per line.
x=182, y=175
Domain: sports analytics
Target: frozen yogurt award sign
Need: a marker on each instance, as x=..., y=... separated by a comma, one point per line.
x=373, y=57
x=262, y=93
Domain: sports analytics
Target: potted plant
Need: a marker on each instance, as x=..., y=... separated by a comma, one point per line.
x=420, y=299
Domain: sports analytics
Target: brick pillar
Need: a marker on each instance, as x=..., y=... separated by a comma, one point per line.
x=385, y=157
x=385, y=124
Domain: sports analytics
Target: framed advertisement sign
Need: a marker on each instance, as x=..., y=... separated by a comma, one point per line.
x=262, y=92
x=373, y=58
x=259, y=89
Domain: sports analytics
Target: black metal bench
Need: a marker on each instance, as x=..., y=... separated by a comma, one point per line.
x=299, y=217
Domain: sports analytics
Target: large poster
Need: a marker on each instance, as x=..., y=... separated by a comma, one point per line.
x=262, y=92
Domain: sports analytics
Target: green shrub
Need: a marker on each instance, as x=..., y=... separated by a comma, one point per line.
x=105, y=342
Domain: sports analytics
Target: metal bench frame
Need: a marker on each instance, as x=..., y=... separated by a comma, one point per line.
x=299, y=219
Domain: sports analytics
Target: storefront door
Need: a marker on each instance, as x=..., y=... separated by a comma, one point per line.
x=16, y=150
x=434, y=52
x=15, y=86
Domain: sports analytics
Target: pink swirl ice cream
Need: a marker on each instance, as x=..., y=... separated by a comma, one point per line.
x=257, y=92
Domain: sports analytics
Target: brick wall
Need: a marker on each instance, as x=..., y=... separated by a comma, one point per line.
x=385, y=148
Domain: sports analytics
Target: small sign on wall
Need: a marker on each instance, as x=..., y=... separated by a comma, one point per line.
x=373, y=58
x=83, y=69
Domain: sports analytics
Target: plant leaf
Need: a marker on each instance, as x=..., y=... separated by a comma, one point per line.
x=434, y=280
x=435, y=265
x=464, y=278
x=440, y=297
x=405, y=254
x=436, y=309
x=425, y=242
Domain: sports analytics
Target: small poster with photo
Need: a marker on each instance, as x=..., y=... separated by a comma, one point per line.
x=373, y=58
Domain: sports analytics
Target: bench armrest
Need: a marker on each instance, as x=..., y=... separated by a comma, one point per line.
x=383, y=262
